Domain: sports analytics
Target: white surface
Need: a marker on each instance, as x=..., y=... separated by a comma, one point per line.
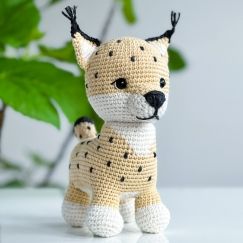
x=200, y=137
x=198, y=215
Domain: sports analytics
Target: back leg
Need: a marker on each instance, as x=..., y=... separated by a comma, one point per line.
x=74, y=206
x=127, y=209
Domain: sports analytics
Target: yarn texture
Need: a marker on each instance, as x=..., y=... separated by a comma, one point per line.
x=113, y=175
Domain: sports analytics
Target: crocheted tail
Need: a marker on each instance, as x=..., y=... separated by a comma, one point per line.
x=84, y=128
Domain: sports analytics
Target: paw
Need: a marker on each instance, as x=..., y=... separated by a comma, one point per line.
x=74, y=213
x=104, y=221
x=127, y=210
x=153, y=218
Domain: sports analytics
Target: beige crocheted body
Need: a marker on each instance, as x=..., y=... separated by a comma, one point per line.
x=127, y=84
x=106, y=167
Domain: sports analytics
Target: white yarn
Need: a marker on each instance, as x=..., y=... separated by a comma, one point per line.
x=74, y=213
x=124, y=107
x=127, y=210
x=112, y=107
x=104, y=221
x=141, y=137
x=153, y=218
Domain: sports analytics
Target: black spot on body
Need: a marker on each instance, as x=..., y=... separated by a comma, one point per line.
x=88, y=141
x=78, y=166
x=85, y=155
x=133, y=58
x=155, y=155
x=110, y=53
x=96, y=53
x=150, y=178
x=155, y=59
x=82, y=143
x=98, y=136
x=86, y=85
x=98, y=147
x=77, y=154
x=142, y=48
x=91, y=169
x=108, y=163
x=111, y=139
x=140, y=168
x=96, y=75
x=126, y=155
x=122, y=179
x=69, y=166
x=80, y=136
x=118, y=41
x=88, y=127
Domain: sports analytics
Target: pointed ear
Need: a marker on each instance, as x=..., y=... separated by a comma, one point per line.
x=162, y=42
x=84, y=47
x=83, y=44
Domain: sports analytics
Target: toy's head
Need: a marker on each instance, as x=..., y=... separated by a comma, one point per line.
x=127, y=79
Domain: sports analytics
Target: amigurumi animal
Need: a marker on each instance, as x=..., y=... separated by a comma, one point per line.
x=113, y=175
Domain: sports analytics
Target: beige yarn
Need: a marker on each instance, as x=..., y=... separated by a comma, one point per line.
x=142, y=74
x=85, y=130
x=77, y=196
x=114, y=174
x=102, y=164
x=121, y=163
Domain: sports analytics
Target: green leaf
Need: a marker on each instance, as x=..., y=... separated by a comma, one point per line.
x=51, y=2
x=128, y=11
x=176, y=60
x=39, y=160
x=13, y=183
x=32, y=86
x=52, y=185
x=65, y=53
x=98, y=121
x=22, y=94
x=35, y=35
x=2, y=48
x=19, y=21
x=8, y=165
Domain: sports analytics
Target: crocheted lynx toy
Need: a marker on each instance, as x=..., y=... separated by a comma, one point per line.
x=113, y=175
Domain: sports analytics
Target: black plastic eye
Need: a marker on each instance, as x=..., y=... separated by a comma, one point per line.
x=120, y=83
x=162, y=83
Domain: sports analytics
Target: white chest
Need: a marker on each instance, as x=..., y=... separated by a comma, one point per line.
x=140, y=137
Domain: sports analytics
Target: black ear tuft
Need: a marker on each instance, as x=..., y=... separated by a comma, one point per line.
x=174, y=20
x=71, y=15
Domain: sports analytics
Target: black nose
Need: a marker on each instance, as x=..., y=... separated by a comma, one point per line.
x=155, y=98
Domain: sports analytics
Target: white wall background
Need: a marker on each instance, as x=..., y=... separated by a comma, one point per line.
x=200, y=137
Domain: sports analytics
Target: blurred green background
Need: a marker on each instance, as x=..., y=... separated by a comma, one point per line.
x=31, y=79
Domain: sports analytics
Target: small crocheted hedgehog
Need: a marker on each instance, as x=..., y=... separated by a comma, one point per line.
x=113, y=175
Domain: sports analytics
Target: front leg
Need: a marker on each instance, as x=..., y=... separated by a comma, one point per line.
x=103, y=216
x=151, y=214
